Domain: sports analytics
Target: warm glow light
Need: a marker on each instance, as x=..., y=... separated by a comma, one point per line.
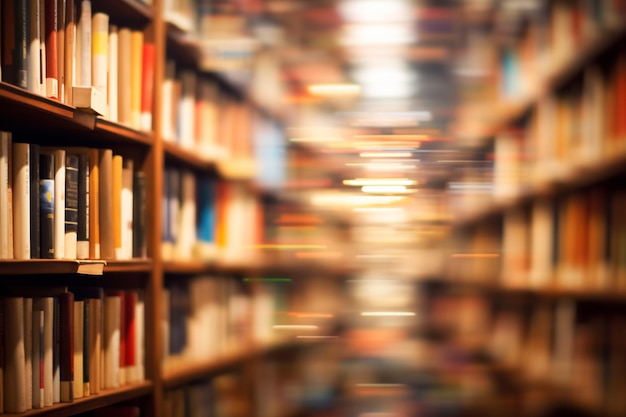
x=337, y=199
x=277, y=246
x=321, y=139
x=318, y=255
x=295, y=326
x=387, y=313
x=316, y=337
x=386, y=189
x=475, y=255
x=385, y=154
x=378, y=209
x=334, y=89
x=379, y=181
x=310, y=315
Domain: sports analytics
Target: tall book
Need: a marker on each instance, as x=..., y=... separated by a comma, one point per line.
x=20, y=55
x=135, y=78
x=46, y=304
x=147, y=85
x=188, y=228
x=34, y=44
x=100, y=51
x=14, y=388
x=71, y=206
x=52, y=74
x=206, y=220
x=29, y=365
x=56, y=352
x=61, y=21
x=107, y=243
x=94, y=204
x=118, y=162
x=127, y=209
x=94, y=297
x=37, y=383
x=42, y=48
x=5, y=155
x=82, y=234
x=111, y=340
x=59, y=203
x=112, y=81
x=140, y=336
x=35, y=221
x=46, y=205
x=21, y=200
x=140, y=248
x=66, y=338
x=187, y=112
x=130, y=337
x=70, y=49
x=8, y=41
x=79, y=310
x=86, y=347
x=124, y=74
x=83, y=45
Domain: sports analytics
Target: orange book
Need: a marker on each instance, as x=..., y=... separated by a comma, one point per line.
x=52, y=75
x=135, y=78
x=147, y=85
x=94, y=204
x=118, y=164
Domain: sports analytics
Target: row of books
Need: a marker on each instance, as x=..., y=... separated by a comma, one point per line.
x=69, y=203
x=207, y=318
x=208, y=219
x=60, y=49
x=220, y=396
x=62, y=345
x=576, y=349
x=576, y=241
x=198, y=116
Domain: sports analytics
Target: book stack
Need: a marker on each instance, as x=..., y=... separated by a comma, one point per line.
x=60, y=345
x=69, y=203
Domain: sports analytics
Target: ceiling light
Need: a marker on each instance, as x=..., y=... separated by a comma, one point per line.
x=386, y=189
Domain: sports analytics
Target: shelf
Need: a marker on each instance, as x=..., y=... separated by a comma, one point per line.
x=572, y=178
x=115, y=132
x=183, y=47
x=82, y=405
x=51, y=266
x=22, y=108
x=187, y=157
x=555, y=78
x=187, y=267
x=132, y=13
x=131, y=265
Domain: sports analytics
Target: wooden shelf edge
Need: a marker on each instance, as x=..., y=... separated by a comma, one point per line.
x=131, y=265
x=187, y=157
x=124, y=132
x=51, y=266
x=105, y=398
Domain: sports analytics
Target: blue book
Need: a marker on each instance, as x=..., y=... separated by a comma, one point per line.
x=206, y=210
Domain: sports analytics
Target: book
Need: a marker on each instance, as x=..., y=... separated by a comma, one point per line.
x=56, y=352
x=106, y=204
x=127, y=210
x=135, y=78
x=117, y=174
x=140, y=247
x=187, y=113
x=86, y=348
x=21, y=200
x=52, y=74
x=59, y=203
x=167, y=89
x=79, y=312
x=83, y=45
x=35, y=221
x=70, y=49
x=46, y=206
x=147, y=85
x=5, y=155
x=21, y=49
x=124, y=74
x=66, y=347
x=130, y=337
x=31, y=369
x=8, y=41
x=2, y=355
x=140, y=336
x=61, y=22
x=46, y=305
x=82, y=233
x=37, y=371
x=112, y=81
x=42, y=48
x=14, y=392
x=34, y=45
x=111, y=340
x=100, y=51
x=188, y=229
x=94, y=204
x=71, y=206
x=95, y=299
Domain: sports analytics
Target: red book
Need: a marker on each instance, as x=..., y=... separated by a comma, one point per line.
x=147, y=85
x=129, y=329
x=52, y=75
x=66, y=340
x=122, y=338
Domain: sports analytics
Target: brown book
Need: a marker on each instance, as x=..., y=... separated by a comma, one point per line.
x=95, y=343
x=66, y=338
x=14, y=376
x=106, y=204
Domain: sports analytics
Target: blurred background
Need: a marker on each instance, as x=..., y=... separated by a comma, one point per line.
x=443, y=183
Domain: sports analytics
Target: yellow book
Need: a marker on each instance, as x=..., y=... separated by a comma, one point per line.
x=94, y=201
x=135, y=80
x=118, y=165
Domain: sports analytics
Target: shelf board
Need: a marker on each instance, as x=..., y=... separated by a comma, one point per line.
x=187, y=267
x=82, y=405
x=51, y=266
x=127, y=12
x=23, y=108
x=131, y=265
x=111, y=131
x=182, y=46
x=187, y=157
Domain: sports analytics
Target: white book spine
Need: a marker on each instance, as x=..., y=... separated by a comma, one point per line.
x=34, y=63
x=112, y=328
x=112, y=84
x=21, y=201
x=83, y=35
x=42, y=47
x=59, y=204
x=187, y=112
x=4, y=194
x=14, y=395
x=187, y=238
x=167, y=125
x=46, y=304
x=127, y=209
x=100, y=51
x=37, y=380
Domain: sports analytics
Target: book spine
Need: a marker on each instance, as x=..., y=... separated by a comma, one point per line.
x=48, y=350
x=56, y=353
x=95, y=344
x=140, y=249
x=83, y=53
x=147, y=85
x=100, y=51
x=107, y=243
x=2, y=355
x=94, y=204
x=66, y=338
x=14, y=389
x=112, y=82
x=34, y=45
x=135, y=80
x=206, y=210
x=118, y=162
x=71, y=206
x=52, y=75
x=5, y=151
x=61, y=21
x=46, y=205
x=8, y=41
x=29, y=365
x=86, y=346
x=70, y=49
x=21, y=201
x=127, y=209
x=124, y=73
x=111, y=341
x=42, y=47
x=35, y=220
x=79, y=309
x=139, y=336
x=59, y=204
x=82, y=248
x=20, y=56
x=122, y=345
x=130, y=330
x=37, y=359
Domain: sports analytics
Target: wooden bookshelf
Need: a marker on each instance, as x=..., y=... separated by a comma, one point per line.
x=131, y=265
x=83, y=405
x=127, y=12
x=51, y=266
x=115, y=133
x=186, y=157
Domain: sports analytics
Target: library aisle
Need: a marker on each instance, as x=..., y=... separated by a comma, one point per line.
x=298, y=208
